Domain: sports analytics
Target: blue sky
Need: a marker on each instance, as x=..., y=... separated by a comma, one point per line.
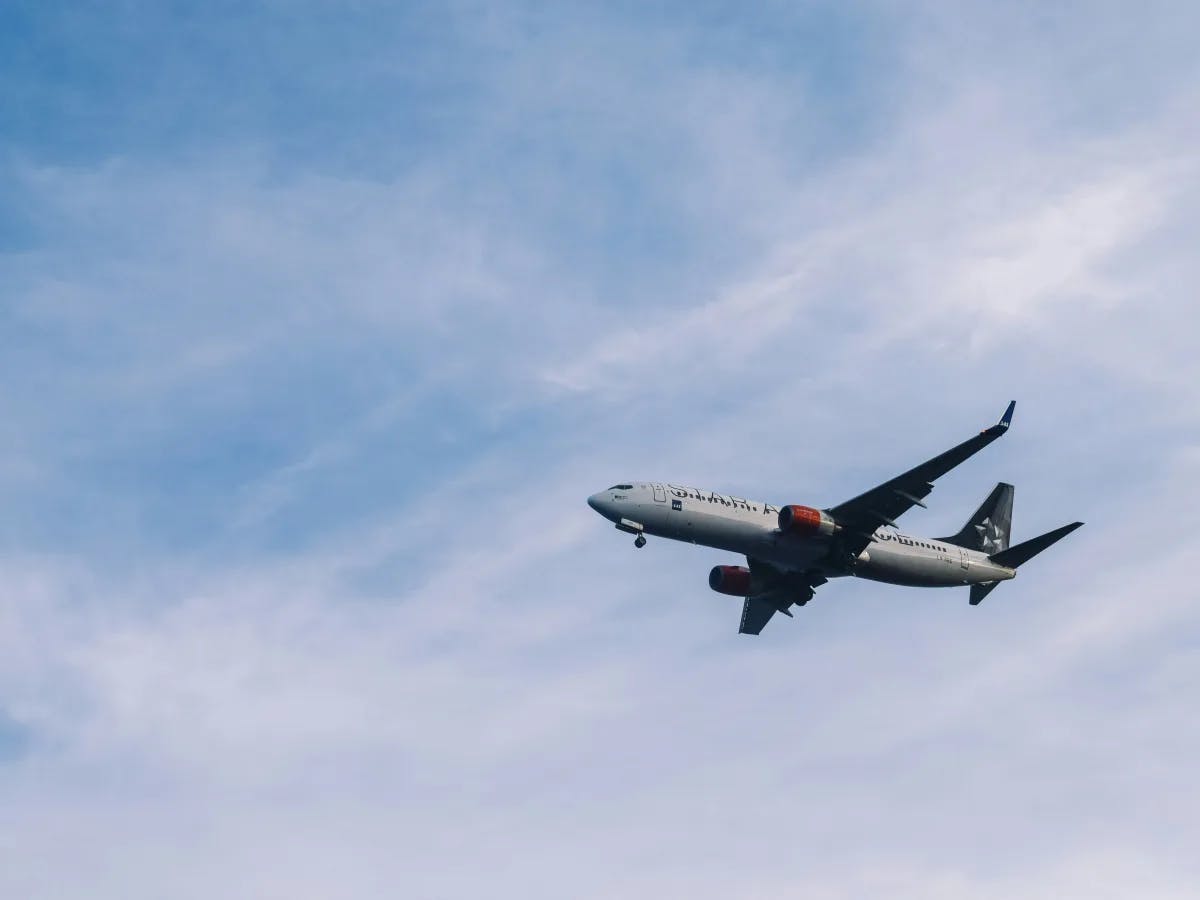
x=319, y=322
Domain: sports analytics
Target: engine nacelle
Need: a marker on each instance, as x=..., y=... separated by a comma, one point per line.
x=732, y=580
x=806, y=521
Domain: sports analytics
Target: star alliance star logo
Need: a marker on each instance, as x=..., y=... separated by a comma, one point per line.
x=990, y=536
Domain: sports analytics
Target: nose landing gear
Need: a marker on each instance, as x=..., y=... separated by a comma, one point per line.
x=635, y=528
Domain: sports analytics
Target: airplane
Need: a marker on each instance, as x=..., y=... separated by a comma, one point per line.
x=792, y=550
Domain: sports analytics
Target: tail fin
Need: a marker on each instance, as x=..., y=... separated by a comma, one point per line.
x=1023, y=552
x=988, y=528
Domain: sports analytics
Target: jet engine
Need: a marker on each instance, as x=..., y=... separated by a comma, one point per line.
x=732, y=580
x=806, y=521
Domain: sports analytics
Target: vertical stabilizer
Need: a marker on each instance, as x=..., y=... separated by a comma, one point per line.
x=989, y=526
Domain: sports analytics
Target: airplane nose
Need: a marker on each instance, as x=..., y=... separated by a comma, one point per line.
x=603, y=504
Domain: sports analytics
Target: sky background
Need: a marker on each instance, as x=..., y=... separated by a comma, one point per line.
x=319, y=322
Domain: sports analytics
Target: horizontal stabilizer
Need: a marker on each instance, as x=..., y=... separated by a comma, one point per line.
x=1023, y=552
x=979, y=591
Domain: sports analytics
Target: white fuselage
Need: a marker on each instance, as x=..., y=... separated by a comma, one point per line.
x=751, y=528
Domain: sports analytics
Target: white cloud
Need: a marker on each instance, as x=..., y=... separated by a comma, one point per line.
x=485, y=690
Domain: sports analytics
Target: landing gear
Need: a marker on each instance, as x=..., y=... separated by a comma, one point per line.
x=635, y=528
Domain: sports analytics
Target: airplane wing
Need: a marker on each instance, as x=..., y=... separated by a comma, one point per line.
x=780, y=590
x=884, y=504
x=756, y=612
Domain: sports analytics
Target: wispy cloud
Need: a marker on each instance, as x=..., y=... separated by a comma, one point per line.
x=300, y=593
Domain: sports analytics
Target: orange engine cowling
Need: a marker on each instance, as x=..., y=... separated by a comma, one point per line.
x=804, y=520
x=732, y=580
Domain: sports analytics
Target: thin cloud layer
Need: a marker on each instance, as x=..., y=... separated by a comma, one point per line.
x=301, y=594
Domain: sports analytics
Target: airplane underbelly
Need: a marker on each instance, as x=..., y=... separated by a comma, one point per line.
x=722, y=532
x=746, y=536
x=914, y=570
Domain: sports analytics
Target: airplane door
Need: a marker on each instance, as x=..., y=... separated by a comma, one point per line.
x=962, y=558
x=660, y=494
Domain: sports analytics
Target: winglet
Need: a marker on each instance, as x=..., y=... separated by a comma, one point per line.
x=1006, y=419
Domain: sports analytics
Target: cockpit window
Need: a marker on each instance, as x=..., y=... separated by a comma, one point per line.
x=621, y=487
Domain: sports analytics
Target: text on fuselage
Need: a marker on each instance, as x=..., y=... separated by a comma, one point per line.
x=722, y=499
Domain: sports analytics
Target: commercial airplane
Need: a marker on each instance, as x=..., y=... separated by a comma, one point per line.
x=792, y=550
